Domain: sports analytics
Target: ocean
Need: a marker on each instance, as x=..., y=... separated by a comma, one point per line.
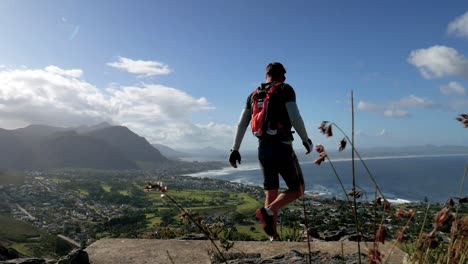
x=401, y=179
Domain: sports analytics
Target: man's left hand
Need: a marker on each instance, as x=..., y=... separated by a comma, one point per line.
x=234, y=158
x=308, y=145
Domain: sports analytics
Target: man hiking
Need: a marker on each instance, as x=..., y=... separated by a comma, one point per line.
x=272, y=112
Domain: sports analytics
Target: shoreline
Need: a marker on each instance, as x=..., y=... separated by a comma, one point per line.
x=309, y=193
x=315, y=189
x=250, y=166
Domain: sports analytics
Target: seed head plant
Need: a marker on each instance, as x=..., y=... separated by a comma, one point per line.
x=463, y=118
x=439, y=245
x=159, y=186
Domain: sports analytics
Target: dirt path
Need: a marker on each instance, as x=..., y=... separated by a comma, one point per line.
x=26, y=212
x=69, y=240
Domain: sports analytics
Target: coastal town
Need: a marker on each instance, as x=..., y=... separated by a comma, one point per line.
x=40, y=202
x=82, y=206
x=59, y=202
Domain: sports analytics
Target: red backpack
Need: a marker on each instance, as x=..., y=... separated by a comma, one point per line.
x=261, y=123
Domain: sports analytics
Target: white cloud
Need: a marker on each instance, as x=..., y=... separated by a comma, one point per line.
x=396, y=113
x=453, y=88
x=141, y=67
x=397, y=109
x=56, y=96
x=369, y=107
x=459, y=26
x=75, y=73
x=156, y=101
x=439, y=61
x=412, y=102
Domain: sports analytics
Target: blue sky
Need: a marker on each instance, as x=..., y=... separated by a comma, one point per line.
x=178, y=72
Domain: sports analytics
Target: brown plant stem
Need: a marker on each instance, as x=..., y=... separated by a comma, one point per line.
x=367, y=169
x=342, y=253
x=353, y=210
x=354, y=179
x=460, y=192
x=339, y=180
x=418, y=242
x=425, y=255
x=374, y=205
x=207, y=234
x=396, y=240
x=344, y=191
x=362, y=161
x=306, y=220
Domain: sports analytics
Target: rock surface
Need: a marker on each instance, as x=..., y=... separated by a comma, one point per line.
x=182, y=251
x=25, y=261
x=8, y=253
x=296, y=257
x=77, y=256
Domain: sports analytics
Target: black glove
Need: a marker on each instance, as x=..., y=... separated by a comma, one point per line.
x=234, y=157
x=308, y=145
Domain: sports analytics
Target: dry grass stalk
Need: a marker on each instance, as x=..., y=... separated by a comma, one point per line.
x=381, y=234
x=342, y=145
x=374, y=256
x=163, y=190
x=400, y=233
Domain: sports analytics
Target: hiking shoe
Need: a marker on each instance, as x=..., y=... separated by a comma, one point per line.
x=266, y=220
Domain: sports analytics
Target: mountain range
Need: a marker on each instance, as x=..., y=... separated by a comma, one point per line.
x=104, y=146
x=194, y=154
x=99, y=147
x=250, y=155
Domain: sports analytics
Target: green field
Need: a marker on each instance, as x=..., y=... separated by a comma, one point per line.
x=25, y=248
x=16, y=230
x=83, y=192
x=27, y=239
x=106, y=188
x=11, y=177
x=60, y=180
x=248, y=204
x=153, y=220
x=257, y=233
x=207, y=202
x=124, y=193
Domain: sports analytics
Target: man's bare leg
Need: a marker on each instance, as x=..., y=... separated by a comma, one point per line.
x=284, y=199
x=270, y=196
x=274, y=202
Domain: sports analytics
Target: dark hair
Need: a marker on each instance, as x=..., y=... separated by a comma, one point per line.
x=275, y=69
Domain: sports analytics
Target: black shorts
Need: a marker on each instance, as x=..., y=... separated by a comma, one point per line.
x=276, y=159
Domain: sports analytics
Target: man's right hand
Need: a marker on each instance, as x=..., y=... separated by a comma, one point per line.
x=308, y=145
x=234, y=158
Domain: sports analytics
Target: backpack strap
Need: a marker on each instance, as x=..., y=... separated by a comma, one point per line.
x=269, y=92
x=274, y=87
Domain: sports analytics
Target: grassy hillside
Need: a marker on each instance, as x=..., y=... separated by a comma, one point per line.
x=11, y=177
x=28, y=240
x=17, y=230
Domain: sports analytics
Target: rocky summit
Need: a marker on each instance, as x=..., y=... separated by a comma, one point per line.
x=200, y=251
